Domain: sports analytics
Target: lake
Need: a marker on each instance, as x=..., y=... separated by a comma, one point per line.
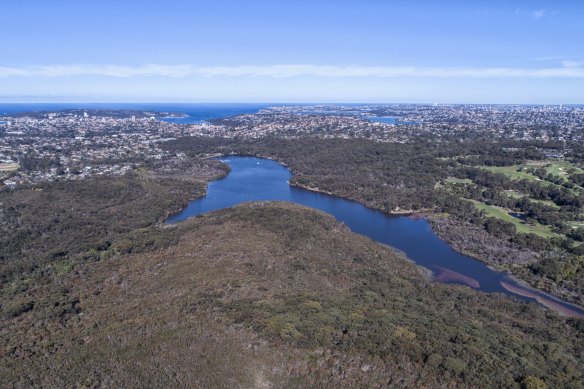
x=253, y=179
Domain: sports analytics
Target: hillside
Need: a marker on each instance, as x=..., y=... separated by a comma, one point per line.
x=278, y=295
x=543, y=248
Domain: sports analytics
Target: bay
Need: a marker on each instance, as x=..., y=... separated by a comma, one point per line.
x=195, y=112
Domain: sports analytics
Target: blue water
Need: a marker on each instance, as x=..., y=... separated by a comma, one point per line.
x=387, y=120
x=200, y=113
x=197, y=113
x=253, y=179
x=518, y=215
x=381, y=119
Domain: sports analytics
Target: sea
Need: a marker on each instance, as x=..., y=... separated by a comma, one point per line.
x=196, y=112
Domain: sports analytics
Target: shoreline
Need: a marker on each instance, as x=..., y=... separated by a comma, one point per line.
x=545, y=299
x=509, y=274
x=416, y=214
x=556, y=307
x=163, y=223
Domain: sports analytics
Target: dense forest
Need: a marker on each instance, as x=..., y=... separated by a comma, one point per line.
x=95, y=291
x=52, y=226
x=281, y=295
x=380, y=175
x=414, y=177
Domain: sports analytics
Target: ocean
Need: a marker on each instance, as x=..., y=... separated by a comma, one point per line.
x=197, y=112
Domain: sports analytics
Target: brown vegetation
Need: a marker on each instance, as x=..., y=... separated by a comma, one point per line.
x=413, y=176
x=276, y=295
x=55, y=225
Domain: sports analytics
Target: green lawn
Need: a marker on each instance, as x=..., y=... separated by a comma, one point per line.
x=516, y=195
x=561, y=168
x=453, y=180
x=576, y=224
x=515, y=172
x=520, y=226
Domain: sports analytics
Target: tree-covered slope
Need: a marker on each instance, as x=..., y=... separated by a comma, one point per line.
x=278, y=295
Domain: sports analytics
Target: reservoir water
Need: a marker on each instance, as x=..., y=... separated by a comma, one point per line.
x=253, y=179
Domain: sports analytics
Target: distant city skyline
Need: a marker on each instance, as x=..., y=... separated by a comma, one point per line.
x=372, y=51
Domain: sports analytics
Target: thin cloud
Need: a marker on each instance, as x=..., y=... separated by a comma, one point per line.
x=538, y=14
x=98, y=70
x=570, y=69
x=280, y=71
x=572, y=63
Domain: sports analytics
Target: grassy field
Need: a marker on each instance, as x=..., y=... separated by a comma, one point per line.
x=7, y=167
x=576, y=224
x=516, y=195
x=515, y=172
x=520, y=226
x=561, y=168
x=453, y=180
x=519, y=172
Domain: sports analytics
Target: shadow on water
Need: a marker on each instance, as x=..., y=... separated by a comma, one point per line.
x=255, y=179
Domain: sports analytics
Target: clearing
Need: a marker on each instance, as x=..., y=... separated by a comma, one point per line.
x=7, y=167
x=520, y=226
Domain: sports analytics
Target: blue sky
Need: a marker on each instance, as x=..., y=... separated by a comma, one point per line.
x=528, y=51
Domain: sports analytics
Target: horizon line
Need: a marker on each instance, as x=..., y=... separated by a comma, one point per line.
x=287, y=102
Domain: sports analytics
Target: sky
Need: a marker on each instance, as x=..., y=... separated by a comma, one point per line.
x=378, y=51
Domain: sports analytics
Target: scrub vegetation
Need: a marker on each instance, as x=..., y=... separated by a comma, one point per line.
x=440, y=176
x=275, y=294
x=95, y=291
